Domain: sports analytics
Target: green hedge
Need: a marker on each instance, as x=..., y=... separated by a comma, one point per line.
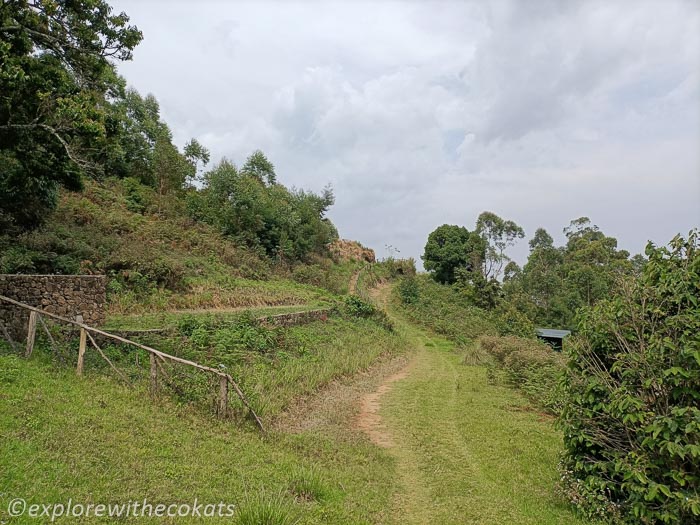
x=631, y=417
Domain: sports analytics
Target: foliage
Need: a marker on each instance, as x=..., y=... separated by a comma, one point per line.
x=444, y=310
x=55, y=78
x=527, y=364
x=557, y=281
x=499, y=234
x=450, y=248
x=408, y=290
x=631, y=420
x=358, y=307
x=286, y=224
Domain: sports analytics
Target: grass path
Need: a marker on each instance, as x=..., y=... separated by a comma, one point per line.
x=466, y=451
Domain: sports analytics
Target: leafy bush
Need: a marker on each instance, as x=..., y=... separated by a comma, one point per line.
x=358, y=307
x=528, y=364
x=631, y=417
x=510, y=321
x=408, y=290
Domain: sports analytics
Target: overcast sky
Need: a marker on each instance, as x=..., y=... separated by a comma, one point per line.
x=425, y=113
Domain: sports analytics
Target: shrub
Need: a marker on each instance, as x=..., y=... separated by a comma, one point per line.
x=408, y=290
x=444, y=310
x=528, y=364
x=266, y=509
x=631, y=417
x=307, y=485
x=358, y=307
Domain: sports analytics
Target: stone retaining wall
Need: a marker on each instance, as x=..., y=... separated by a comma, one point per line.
x=64, y=295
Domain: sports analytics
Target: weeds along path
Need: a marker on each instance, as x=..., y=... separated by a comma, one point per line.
x=466, y=451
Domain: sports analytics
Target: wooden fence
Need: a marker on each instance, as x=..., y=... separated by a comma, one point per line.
x=156, y=357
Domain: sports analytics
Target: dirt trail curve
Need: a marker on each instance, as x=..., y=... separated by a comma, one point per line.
x=369, y=420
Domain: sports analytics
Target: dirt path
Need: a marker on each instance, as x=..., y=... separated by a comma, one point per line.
x=369, y=420
x=466, y=451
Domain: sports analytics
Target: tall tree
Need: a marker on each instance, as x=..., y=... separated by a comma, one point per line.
x=258, y=166
x=195, y=153
x=499, y=234
x=55, y=73
x=450, y=248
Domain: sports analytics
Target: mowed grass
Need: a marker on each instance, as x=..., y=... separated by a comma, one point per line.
x=469, y=452
x=97, y=441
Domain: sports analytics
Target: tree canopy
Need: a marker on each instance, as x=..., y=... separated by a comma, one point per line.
x=450, y=248
x=55, y=77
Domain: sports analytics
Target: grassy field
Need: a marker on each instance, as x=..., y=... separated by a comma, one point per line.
x=468, y=451
x=173, y=319
x=94, y=440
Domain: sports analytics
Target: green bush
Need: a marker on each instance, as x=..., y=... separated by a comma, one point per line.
x=358, y=307
x=527, y=364
x=444, y=310
x=408, y=290
x=631, y=417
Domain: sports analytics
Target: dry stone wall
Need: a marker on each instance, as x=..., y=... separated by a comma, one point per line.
x=64, y=295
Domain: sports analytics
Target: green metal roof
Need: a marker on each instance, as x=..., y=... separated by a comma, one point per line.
x=551, y=333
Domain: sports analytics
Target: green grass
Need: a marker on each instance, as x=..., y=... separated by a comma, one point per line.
x=218, y=290
x=468, y=451
x=171, y=320
x=441, y=309
x=94, y=440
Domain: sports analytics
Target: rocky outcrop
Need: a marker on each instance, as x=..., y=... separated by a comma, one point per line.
x=345, y=250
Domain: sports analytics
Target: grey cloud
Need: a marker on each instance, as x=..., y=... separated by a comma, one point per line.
x=426, y=113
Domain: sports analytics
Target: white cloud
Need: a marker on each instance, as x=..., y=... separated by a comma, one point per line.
x=427, y=113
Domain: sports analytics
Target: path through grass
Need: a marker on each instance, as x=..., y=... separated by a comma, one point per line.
x=468, y=451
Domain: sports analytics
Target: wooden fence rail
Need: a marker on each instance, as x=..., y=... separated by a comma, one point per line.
x=225, y=379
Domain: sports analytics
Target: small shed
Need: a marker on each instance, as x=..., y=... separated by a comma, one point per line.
x=554, y=338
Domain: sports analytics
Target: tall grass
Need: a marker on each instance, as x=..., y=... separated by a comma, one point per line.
x=443, y=310
x=527, y=364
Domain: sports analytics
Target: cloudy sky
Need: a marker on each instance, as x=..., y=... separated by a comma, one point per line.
x=425, y=113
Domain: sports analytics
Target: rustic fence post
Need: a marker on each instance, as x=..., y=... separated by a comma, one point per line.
x=223, y=396
x=82, y=347
x=154, y=372
x=31, y=333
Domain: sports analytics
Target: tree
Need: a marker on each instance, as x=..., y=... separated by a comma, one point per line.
x=287, y=225
x=55, y=74
x=170, y=168
x=259, y=167
x=558, y=281
x=195, y=153
x=499, y=234
x=450, y=248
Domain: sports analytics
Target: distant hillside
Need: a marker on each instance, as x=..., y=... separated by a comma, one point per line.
x=163, y=259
